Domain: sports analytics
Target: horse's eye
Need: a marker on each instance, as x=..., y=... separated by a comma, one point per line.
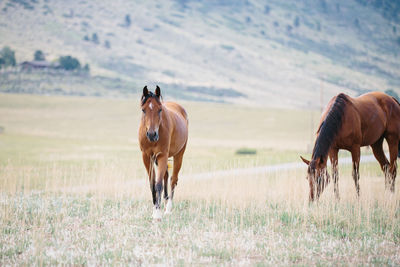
x=143, y=111
x=159, y=111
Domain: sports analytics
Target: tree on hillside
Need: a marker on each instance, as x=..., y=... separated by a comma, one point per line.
x=390, y=9
x=127, y=20
x=95, y=38
x=356, y=23
x=86, y=68
x=296, y=21
x=323, y=6
x=267, y=9
x=69, y=63
x=318, y=26
x=7, y=57
x=39, y=56
x=107, y=44
x=337, y=7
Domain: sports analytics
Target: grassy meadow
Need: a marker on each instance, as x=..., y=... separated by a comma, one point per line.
x=74, y=191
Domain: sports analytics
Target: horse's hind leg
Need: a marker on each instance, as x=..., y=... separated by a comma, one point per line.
x=355, y=155
x=393, y=150
x=174, y=178
x=380, y=157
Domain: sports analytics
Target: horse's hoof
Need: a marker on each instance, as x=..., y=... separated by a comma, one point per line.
x=168, y=208
x=157, y=214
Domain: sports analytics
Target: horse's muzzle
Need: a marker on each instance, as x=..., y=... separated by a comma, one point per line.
x=152, y=136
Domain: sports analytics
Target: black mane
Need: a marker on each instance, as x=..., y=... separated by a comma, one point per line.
x=330, y=127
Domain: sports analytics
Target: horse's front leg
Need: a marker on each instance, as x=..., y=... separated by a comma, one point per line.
x=333, y=155
x=355, y=155
x=150, y=173
x=161, y=169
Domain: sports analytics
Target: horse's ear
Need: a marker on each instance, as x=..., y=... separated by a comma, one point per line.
x=145, y=91
x=305, y=161
x=158, y=91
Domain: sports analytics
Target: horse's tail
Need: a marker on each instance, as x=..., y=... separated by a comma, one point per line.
x=398, y=152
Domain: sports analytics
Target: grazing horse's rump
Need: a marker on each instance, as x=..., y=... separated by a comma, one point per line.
x=350, y=123
x=163, y=133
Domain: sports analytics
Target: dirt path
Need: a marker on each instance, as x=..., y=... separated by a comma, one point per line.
x=267, y=169
x=217, y=174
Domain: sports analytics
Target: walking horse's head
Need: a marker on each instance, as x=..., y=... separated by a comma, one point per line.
x=151, y=113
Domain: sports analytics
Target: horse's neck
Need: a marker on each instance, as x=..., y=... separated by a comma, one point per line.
x=166, y=122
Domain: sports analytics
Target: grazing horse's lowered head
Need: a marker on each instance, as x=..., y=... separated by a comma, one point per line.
x=151, y=113
x=317, y=176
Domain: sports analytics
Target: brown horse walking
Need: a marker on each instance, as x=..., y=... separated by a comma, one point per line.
x=350, y=123
x=163, y=133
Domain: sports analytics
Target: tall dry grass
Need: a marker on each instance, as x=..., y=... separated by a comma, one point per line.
x=101, y=215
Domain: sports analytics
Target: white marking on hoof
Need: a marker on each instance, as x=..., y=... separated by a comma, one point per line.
x=157, y=214
x=168, y=208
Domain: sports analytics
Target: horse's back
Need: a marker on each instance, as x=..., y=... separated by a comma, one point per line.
x=378, y=103
x=391, y=108
x=178, y=109
x=379, y=113
x=366, y=118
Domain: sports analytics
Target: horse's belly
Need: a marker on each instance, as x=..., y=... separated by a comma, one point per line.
x=178, y=141
x=175, y=149
x=371, y=138
x=371, y=134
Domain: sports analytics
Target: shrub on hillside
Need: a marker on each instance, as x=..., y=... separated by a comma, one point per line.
x=246, y=151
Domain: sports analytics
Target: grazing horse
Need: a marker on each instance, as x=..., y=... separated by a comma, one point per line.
x=163, y=133
x=350, y=123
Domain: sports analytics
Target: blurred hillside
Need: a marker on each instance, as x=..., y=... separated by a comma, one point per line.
x=271, y=53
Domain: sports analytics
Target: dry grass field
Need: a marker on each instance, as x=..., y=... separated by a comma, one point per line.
x=73, y=191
